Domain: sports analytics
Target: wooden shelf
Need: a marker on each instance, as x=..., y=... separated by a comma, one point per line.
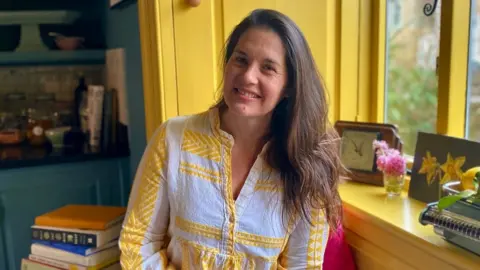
x=56, y=57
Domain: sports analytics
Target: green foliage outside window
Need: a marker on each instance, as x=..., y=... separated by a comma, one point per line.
x=411, y=100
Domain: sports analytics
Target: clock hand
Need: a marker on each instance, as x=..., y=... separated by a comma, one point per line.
x=355, y=145
x=361, y=148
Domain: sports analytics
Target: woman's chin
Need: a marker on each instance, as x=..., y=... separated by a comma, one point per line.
x=243, y=110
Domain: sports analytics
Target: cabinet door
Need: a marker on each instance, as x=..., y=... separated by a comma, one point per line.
x=198, y=39
x=200, y=33
x=234, y=11
x=317, y=20
x=29, y=192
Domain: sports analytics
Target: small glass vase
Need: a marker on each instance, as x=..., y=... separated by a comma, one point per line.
x=393, y=184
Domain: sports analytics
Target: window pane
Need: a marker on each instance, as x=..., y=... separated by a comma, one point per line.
x=473, y=95
x=411, y=81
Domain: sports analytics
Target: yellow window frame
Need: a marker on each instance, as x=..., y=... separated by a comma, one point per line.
x=452, y=67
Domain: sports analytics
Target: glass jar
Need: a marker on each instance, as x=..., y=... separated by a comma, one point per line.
x=41, y=118
x=16, y=103
x=393, y=184
x=13, y=118
x=10, y=131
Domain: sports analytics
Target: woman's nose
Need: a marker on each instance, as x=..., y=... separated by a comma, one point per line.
x=250, y=76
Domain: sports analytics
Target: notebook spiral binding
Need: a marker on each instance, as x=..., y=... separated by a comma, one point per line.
x=445, y=220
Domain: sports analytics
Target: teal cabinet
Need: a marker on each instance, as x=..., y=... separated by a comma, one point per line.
x=28, y=192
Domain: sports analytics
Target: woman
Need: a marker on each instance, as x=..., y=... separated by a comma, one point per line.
x=252, y=182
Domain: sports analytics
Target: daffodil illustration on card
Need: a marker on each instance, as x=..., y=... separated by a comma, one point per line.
x=439, y=160
x=449, y=171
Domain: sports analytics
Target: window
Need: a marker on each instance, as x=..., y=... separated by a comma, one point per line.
x=473, y=93
x=394, y=17
x=411, y=85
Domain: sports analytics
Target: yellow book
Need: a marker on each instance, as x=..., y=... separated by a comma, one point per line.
x=70, y=266
x=87, y=217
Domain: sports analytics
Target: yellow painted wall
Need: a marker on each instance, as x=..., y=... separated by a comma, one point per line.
x=188, y=42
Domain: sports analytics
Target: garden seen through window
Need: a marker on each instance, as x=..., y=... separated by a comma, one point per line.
x=473, y=94
x=411, y=85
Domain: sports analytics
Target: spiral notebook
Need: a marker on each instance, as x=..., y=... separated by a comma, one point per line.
x=460, y=229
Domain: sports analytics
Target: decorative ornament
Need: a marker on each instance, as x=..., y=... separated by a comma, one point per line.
x=429, y=9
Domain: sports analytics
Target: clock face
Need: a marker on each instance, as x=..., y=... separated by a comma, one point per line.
x=357, y=149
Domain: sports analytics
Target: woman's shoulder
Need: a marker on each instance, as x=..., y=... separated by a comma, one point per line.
x=174, y=127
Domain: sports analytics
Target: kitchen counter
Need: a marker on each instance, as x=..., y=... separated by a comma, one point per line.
x=25, y=155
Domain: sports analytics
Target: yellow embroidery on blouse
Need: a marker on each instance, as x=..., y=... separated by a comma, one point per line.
x=181, y=212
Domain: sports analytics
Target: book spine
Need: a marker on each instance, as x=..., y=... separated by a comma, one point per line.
x=95, y=115
x=55, y=263
x=32, y=265
x=74, y=238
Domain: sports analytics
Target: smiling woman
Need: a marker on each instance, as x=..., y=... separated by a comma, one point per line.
x=256, y=74
x=250, y=183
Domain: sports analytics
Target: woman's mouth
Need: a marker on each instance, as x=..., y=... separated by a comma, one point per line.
x=246, y=93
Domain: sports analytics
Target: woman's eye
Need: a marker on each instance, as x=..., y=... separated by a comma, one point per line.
x=241, y=60
x=269, y=68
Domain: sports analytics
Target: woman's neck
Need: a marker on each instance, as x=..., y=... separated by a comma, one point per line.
x=246, y=131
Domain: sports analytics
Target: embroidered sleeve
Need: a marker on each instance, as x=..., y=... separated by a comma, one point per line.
x=143, y=238
x=306, y=245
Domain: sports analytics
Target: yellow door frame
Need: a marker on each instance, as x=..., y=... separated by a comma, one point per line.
x=158, y=62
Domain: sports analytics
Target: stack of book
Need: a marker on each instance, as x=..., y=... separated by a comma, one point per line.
x=81, y=237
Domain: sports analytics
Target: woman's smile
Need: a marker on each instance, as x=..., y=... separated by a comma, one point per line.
x=246, y=94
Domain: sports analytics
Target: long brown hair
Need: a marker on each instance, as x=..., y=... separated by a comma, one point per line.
x=304, y=147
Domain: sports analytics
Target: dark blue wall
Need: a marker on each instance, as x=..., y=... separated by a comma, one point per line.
x=122, y=32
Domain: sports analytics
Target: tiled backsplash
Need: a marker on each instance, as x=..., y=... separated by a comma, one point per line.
x=60, y=80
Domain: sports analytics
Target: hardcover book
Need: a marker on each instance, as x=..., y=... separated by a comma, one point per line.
x=87, y=217
x=88, y=238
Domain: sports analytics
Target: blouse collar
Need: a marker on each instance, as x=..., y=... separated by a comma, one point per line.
x=223, y=136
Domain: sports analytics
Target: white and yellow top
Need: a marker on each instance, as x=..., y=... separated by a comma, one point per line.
x=182, y=214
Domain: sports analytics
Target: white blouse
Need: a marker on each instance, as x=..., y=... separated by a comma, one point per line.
x=182, y=215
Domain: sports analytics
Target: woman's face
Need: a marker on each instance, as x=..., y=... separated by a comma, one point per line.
x=255, y=74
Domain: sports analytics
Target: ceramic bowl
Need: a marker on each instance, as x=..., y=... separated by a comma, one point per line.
x=69, y=43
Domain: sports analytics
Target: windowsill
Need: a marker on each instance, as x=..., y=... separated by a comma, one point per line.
x=392, y=225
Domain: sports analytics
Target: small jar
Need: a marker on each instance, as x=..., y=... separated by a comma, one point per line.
x=10, y=130
x=16, y=103
x=13, y=118
x=41, y=118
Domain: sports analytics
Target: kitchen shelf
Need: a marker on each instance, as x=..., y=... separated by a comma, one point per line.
x=30, y=22
x=54, y=57
x=24, y=155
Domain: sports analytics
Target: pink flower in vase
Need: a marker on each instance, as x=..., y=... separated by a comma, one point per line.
x=389, y=160
x=396, y=165
x=380, y=146
x=381, y=161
